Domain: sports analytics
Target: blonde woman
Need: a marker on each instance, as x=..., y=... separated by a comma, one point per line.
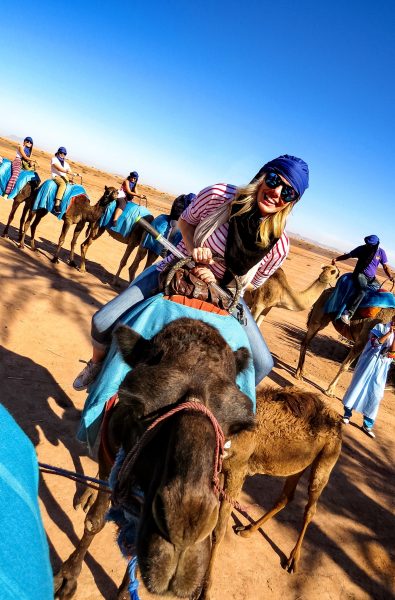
x=245, y=226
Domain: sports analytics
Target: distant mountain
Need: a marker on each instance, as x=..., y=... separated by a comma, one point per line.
x=16, y=138
x=296, y=236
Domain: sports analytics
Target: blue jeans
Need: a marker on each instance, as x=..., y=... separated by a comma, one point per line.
x=366, y=420
x=362, y=284
x=145, y=286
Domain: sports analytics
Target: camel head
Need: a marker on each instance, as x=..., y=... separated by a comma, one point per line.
x=187, y=360
x=330, y=274
x=110, y=194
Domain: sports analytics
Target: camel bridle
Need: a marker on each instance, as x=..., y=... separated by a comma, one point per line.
x=190, y=405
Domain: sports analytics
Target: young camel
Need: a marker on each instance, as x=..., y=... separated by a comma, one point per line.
x=357, y=332
x=26, y=195
x=294, y=430
x=79, y=213
x=276, y=291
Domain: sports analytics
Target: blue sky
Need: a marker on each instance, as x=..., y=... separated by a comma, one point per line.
x=194, y=93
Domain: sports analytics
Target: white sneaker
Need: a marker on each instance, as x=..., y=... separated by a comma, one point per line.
x=346, y=420
x=346, y=317
x=368, y=431
x=87, y=376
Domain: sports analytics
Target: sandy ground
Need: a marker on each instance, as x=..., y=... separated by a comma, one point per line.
x=45, y=320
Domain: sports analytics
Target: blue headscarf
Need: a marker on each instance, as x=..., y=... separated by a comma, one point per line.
x=28, y=151
x=188, y=199
x=294, y=169
x=372, y=240
x=63, y=150
x=132, y=184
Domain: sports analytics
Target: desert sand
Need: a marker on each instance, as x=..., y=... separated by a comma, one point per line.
x=45, y=323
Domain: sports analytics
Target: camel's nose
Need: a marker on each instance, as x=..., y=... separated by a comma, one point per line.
x=187, y=520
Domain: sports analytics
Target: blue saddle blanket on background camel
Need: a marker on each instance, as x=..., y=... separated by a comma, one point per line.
x=46, y=197
x=5, y=174
x=148, y=318
x=23, y=178
x=162, y=226
x=126, y=221
x=344, y=291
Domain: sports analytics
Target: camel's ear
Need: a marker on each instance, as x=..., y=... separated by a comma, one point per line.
x=324, y=265
x=242, y=358
x=106, y=188
x=132, y=345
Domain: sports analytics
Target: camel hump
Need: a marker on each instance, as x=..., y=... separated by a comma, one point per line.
x=78, y=197
x=279, y=275
x=306, y=406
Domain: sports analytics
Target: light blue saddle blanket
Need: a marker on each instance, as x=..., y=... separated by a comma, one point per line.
x=126, y=221
x=46, y=197
x=23, y=178
x=344, y=291
x=148, y=318
x=5, y=174
x=162, y=226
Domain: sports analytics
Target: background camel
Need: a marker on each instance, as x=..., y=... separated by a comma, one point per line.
x=357, y=332
x=294, y=430
x=79, y=213
x=132, y=241
x=26, y=195
x=276, y=291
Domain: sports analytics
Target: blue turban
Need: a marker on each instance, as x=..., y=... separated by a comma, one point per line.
x=28, y=139
x=372, y=240
x=294, y=169
x=134, y=174
x=62, y=150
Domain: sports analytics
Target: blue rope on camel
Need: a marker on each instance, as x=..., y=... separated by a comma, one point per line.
x=127, y=520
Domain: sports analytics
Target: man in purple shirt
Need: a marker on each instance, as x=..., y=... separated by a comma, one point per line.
x=369, y=256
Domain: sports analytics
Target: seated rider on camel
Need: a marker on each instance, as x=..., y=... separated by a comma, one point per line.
x=127, y=193
x=245, y=226
x=369, y=256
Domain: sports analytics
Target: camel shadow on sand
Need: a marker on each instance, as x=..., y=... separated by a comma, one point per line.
x=46, y=249
x=28, y=391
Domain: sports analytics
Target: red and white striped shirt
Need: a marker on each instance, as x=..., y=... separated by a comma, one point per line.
x=206, y=202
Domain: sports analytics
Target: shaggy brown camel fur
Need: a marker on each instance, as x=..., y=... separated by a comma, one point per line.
x=294, y=430
x=175, y=467
x=357, y=332
x=79, y=213
x=276, y=291
x=26, y=195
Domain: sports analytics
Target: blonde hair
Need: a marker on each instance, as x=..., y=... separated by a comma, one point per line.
x=273, y=225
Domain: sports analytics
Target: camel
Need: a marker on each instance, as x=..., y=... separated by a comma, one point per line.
x=294, y=430
x=79, y=213
x=132, y=241
x=27, y=195
x=175, y=469
x=276, y=291
x=181, y=516
x=357, y=332
x=140, y=255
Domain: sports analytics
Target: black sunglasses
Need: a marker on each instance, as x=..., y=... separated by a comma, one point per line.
x=273, y=180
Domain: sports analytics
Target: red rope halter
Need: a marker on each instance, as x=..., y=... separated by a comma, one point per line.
x=196, y=406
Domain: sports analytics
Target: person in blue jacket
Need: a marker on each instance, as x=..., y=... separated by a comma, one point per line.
x=25, y=570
